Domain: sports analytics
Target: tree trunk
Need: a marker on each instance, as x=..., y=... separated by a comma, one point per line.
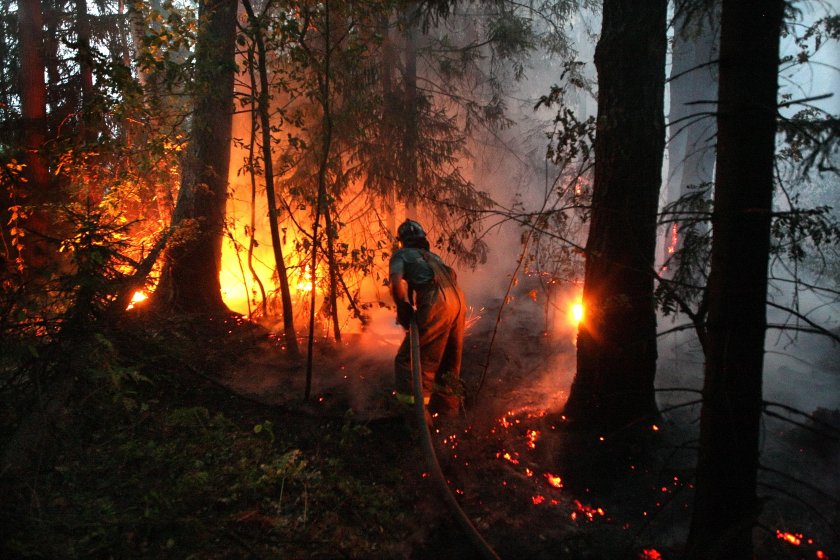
x=411, y=109
x=85, y=62
x=33, y=102
x=725, y=504
x=190, y=281
x=387, y=67
x=268, y=167
x=332, y=267
x=616, y=358
x=252, y=228
x=321, y=204
x=691, y=123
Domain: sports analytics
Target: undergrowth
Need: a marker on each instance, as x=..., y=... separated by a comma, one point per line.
x=159, y=463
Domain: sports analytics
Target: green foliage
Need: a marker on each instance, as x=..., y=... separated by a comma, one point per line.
x=157, y=477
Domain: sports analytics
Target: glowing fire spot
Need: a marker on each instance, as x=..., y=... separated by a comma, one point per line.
x=138, y=296
x=508, y=457
x=650, y=554
x=672, y=245
x=589, y=511
x=554, y=480
x=532, y=436
x=537, y=500
x=576, y=312
x=306, y=280
x=793, y=538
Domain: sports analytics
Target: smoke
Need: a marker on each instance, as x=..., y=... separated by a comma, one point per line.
x=510, y=165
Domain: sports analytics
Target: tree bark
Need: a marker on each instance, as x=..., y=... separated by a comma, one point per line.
x=616, y=358
x=691, y=123
x=190, y=280
x=321, y=203
x=38, y=190
x=268, y=168
x=725, y=503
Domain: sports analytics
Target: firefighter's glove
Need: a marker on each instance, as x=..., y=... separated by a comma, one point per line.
x=404, y=313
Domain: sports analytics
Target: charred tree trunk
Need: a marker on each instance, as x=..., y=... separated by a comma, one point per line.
x=725, y=504
x=332, y=266
x=616, y=359
x=268, y=171
x=252, y=229
x=190, y=280
x=321, y=202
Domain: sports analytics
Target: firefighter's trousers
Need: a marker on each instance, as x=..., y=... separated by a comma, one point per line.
x=441, y=311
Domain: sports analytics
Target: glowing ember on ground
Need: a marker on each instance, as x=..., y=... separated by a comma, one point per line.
x=532, y=436
x=650, y=554
x=589, y=511
x=508, y=457
x=507, y=423
x=792, y=538
x=538, y=500
x=554, y=480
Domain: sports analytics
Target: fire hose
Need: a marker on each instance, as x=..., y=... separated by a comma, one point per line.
x=429, y=451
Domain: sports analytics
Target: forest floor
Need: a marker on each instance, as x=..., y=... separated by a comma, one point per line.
x=211, y=451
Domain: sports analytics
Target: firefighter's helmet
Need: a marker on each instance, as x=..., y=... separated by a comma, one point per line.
x=410, y=230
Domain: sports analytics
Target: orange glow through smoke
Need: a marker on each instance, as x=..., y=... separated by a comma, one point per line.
x=306, y=280
x=576, y=312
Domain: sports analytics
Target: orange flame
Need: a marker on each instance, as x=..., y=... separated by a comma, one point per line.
x=306, y=281
x=576, y=312
x=672, y=246
x=138, y=296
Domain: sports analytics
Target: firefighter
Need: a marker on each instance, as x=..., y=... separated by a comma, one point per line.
x=423, y=286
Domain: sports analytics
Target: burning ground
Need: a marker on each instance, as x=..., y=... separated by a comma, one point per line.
x=212, y=452
x=532, y=488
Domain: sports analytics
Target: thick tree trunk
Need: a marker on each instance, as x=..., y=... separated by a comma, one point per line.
x=725, y=506
x=616, y=359
x=691, y=122
x=190, y=281
x=33, y=102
